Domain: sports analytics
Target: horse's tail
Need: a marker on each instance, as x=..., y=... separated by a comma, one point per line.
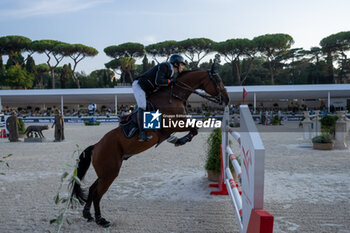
x=83, y=166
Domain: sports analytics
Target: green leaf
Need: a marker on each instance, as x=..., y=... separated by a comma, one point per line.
x=53, y=221
x=75, y=172
x=57, y=198
x=1, y=173
x=69, y=223
x=64, y=175
x=67, y=165
x=75, y=199
x=60, y=218
x=76, y=180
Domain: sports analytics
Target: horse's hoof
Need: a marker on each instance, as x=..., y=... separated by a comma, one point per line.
x=180, y=142
x=172, y=139
x=87, y=215
x=103, y=222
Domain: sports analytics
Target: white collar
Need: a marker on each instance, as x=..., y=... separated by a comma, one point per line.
x=172, y=70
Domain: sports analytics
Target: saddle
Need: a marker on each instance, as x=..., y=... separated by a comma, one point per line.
x=129, y=124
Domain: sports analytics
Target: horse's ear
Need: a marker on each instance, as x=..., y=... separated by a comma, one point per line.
x=214, y=66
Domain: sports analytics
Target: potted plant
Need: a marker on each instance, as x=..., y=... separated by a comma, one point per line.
x=328, y=124
x=21, y=128
x=212, y=164
x=275, y=120
x=323, y=142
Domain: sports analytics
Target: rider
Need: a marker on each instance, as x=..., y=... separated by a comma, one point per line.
x=162, y=74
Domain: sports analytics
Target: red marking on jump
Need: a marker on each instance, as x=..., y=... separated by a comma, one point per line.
x=221, y=185
x=232, y=184
x=246, y=197
x=260, y=221
x=247, y=161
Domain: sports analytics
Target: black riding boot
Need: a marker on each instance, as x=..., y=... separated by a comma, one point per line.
x=143, y=137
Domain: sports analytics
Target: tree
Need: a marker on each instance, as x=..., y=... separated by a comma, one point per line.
x=64, y=74
x=14, y=45
x=16, y=59
x=290, y=62
x=124, y=58
x=30, y=65
x=100, y=78
x=271, y=45
x=52, y=49
x=41, y=69
x=196, y=49
x=76, y=52
x=145, y=64
x=126, y=65
x=337, y=43
x=315, y=53
x=163, y=49
x=133, y=50
x=18, y=77
x=235, y=49
x=336, y=46
x=317, y=69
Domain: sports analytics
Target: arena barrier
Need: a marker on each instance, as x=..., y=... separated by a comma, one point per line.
x=248, y=203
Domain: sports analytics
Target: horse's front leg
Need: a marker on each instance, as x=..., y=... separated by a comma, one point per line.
x=183, y=140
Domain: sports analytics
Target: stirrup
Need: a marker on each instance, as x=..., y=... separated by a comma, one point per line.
x=143, y=137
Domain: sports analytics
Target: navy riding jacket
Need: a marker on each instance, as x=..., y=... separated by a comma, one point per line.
x=158, y=75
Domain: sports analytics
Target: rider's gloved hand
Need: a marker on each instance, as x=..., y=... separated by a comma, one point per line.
x=172, y=80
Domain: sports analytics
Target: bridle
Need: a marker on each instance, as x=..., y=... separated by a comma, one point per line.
x=214, y=77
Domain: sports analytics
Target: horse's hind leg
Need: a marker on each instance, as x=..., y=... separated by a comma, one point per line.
x=101, y=188
x=105, y=179
x=87, y=207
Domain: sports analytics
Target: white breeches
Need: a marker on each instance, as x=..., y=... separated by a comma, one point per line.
x=139, y=94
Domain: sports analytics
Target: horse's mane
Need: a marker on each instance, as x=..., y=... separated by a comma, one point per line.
x=189, y=71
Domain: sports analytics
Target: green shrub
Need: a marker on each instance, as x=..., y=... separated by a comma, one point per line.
x=92, y=123
x=207, y=115
x=275, y=120
x=213, y=162
x=328, y=124
x=21, y=126
x=323, y=138
x=213, y=151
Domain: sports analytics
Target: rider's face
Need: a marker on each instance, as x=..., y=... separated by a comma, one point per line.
x=181, y=67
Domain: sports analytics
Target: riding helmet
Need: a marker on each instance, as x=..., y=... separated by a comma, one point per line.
x=176, y=58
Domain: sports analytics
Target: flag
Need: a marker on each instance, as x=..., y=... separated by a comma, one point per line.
x=244, y=94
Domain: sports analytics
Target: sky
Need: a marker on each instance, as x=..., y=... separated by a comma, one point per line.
x=102, y=23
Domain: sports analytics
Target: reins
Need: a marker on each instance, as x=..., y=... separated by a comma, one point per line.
x=216, y=99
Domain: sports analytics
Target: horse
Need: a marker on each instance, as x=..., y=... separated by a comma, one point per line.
x=108, y=154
